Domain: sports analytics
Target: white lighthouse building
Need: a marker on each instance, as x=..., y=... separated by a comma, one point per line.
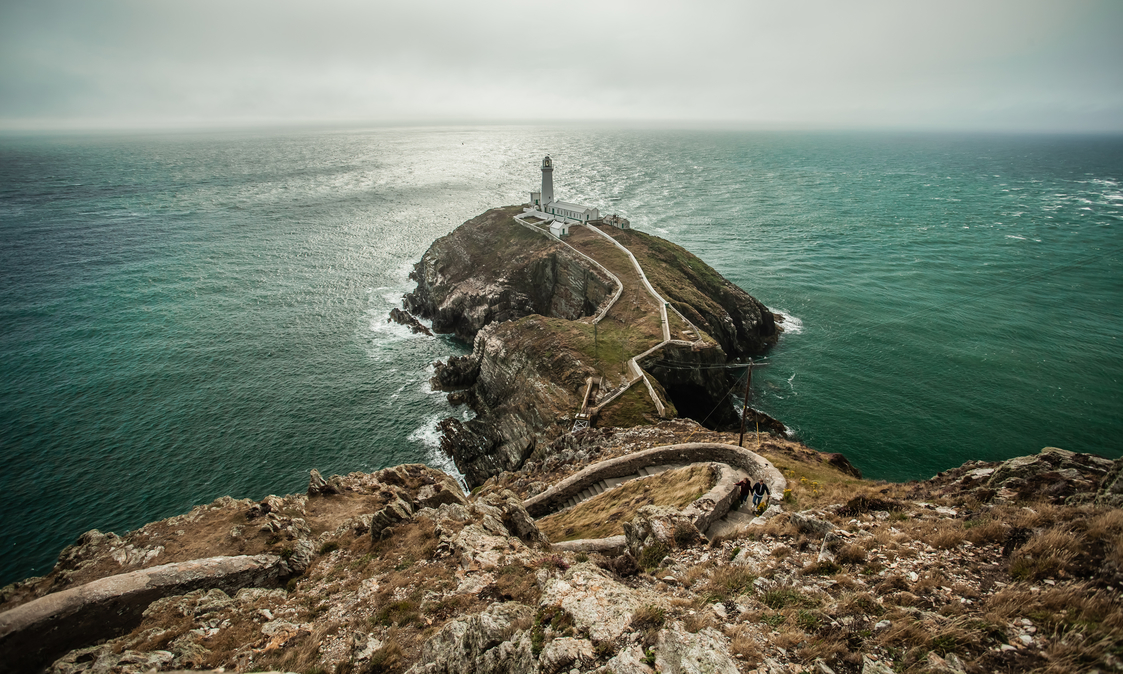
x=562, y=212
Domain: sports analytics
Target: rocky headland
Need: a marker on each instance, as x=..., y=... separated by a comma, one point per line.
x=621, y=548
x=529, y=304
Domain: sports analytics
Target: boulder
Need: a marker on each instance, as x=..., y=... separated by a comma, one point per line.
x=563, y=653
x=397, y=510
x=680, y=652
x=515, y=518
x=630, y=660
x=656, y=530
x=599, y=605
x=477, y=548
x=436, y=495
x=492, y=642
x=808, y=524
x=318, y=486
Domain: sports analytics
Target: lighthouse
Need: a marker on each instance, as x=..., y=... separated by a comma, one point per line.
x=547, y=180
x=544, y=204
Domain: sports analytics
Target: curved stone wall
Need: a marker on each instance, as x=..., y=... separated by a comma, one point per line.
x=32, y=635
x=755, y=465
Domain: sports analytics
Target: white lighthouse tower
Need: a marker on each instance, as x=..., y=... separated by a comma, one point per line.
x=540, y=200
x=557, y=211
x=547, y=180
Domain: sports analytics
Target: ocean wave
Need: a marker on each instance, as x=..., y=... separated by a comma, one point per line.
x=792, y=324
x=384, y=334
x=429, y=437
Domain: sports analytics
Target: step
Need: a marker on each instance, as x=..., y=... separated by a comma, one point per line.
x=739, y=517
x=597, y=489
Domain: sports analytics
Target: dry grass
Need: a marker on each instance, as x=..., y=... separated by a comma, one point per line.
x=604, y=514
x=811, y=482
x=1046, y=555
x=742, y=645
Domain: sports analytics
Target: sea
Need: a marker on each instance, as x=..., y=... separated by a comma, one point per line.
x=190, y=315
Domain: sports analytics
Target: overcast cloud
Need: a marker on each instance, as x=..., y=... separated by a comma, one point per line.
x=1024, y=65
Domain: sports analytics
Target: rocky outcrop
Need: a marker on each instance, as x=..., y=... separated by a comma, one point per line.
x=699, y=390
x=407, y=319
x=1054, y=475
x=495, y=641
x=704, y=652
x=1110, y=492
x=657, y=530
x=491, y=269
x=599, y=605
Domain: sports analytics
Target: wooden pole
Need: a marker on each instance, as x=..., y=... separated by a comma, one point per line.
x=745, y=407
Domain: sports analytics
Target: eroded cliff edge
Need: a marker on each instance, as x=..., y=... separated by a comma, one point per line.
x=527, y=301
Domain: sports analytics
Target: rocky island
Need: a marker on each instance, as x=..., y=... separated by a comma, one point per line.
x=604, y=530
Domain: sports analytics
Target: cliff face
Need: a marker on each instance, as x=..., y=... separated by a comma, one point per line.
x=491, y=269
x=524, y=377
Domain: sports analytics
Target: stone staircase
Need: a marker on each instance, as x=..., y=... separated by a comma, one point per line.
x=612, y=483
x=734, y=521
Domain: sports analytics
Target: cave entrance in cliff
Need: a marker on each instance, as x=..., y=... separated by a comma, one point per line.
x=695, y=402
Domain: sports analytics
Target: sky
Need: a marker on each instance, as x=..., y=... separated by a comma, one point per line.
x=989, y=65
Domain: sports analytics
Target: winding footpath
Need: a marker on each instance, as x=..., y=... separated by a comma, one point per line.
x=635, y=372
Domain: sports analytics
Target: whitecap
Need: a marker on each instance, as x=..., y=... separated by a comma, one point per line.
x=428, y=435
x=792, y=325
x=1015, y=236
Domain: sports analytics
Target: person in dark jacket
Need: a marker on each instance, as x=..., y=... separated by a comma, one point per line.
x=746, y=488
x=760, y=490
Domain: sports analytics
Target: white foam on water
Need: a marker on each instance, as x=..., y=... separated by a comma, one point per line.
x=791, y=384
x=792, y=324
x=429, y=436
x=1015, y=236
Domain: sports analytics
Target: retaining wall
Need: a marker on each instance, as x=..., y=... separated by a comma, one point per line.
x=756, y=466
x=34, y=634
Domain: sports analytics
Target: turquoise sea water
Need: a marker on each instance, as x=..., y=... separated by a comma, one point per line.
x=187, y=316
